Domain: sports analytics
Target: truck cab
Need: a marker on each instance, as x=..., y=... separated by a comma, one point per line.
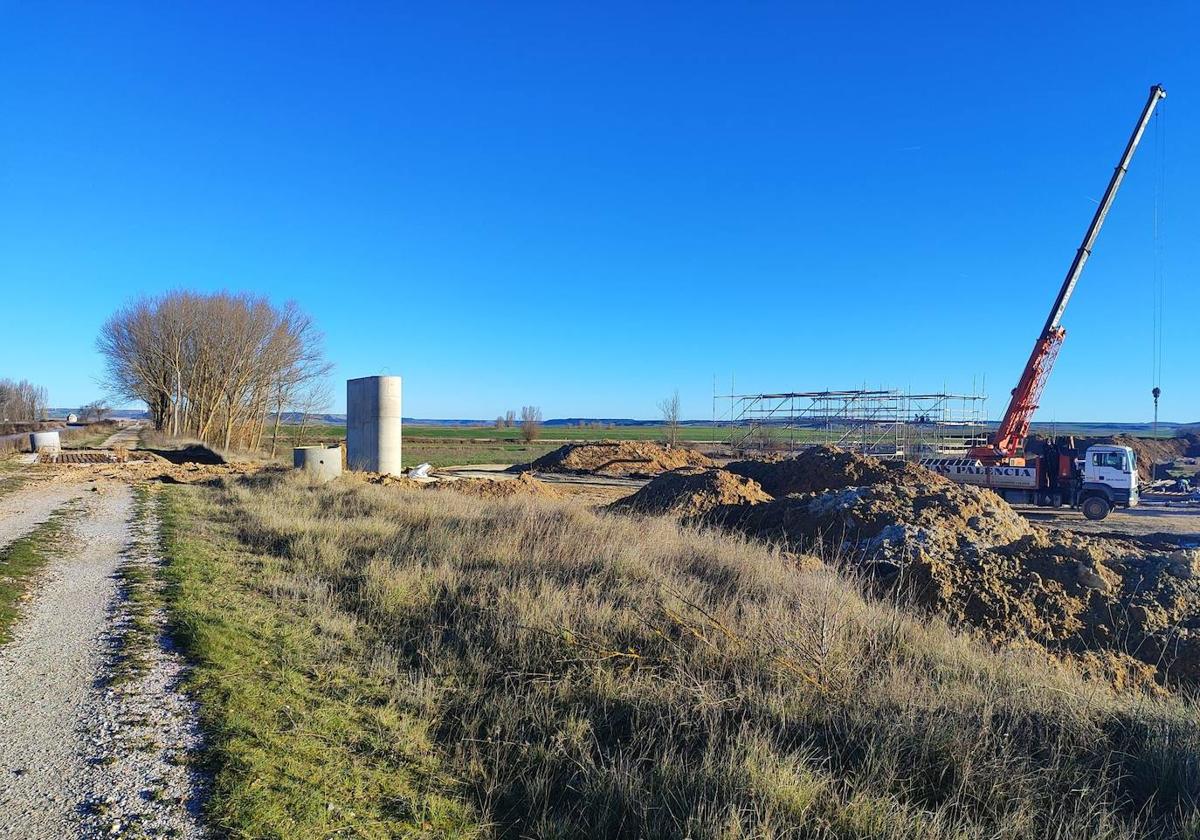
x=1108, y=478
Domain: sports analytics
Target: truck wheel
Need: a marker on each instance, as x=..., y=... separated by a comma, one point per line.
x=1096, y=507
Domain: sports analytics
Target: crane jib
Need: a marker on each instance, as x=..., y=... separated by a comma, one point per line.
x=1009, y=438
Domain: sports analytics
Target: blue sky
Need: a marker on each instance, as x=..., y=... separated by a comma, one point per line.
x=585, y=206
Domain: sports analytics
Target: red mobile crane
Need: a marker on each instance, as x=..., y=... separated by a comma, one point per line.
x=1106, y=476
x=1009, y=440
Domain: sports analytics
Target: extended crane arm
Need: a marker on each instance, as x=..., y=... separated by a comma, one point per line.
x=1010, y=437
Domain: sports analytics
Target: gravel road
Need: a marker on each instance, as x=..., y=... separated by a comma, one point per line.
x=66, y=739
x=26, y=508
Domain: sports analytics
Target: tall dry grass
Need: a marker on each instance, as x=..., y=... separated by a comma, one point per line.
x=592, y=675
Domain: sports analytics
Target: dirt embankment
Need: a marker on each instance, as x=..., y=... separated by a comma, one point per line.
x=1127, y=610
x=692, y=493
x=626, y=459
x=826, y=468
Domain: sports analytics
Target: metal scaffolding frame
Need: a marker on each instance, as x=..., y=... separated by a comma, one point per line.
x=883, y=423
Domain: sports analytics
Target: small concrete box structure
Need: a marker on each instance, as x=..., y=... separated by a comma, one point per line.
x=373, y=424
x=323, y=463
x=48, y=442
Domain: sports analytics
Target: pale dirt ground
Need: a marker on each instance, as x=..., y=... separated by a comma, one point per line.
x=591, y=490
x=123, y=438
x=79, y=758
x=1179, y=524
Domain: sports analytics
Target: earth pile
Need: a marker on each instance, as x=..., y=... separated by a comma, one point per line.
x=1127, y=610
x=625, y=459
x=692, y=493
x=828, y=468
x=487, y=488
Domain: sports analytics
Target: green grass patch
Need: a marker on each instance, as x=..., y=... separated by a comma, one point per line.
x=302, y=740
x=21, y=562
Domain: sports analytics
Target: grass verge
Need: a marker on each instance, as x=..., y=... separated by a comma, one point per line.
x=303, y=740
x=23, y=559
x=537, y=670
x=141, y=594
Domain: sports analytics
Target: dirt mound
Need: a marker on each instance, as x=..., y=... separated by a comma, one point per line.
x=489, y=488
x=1124, y=610
x=154, y=468
x=829, y=468
x=1136, y=610
x=196, y=453
x=690, y=493
x=627, y=458
x=884, y=519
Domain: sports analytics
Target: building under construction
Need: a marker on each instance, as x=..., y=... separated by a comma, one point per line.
x=883, y=423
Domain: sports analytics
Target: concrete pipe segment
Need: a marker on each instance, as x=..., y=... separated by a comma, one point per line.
x=320, y=462
x=373, y=432
x=45, y=442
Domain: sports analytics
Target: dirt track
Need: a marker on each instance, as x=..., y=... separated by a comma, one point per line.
x=79, y=759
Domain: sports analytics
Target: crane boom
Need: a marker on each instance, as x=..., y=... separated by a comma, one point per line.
x=1010, y=436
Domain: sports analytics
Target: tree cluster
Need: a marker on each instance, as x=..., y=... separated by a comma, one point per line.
x=219, y=367
x=21, y=401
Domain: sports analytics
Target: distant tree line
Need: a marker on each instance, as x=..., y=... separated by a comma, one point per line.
x=219, y=367
x=21, y=401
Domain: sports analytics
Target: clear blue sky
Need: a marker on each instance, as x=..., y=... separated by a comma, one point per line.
x=585, y=206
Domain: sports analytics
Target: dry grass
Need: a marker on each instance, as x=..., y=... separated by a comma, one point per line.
x=591, y=675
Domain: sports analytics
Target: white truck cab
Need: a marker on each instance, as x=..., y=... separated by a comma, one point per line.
x=1109, y=478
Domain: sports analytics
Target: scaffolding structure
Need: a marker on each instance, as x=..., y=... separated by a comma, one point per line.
x=883, y=423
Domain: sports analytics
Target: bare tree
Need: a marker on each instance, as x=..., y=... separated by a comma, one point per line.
x=510, y=418
x=94, y=411
x=531, y=423
x=670, y=415
x=21, y=401
x=214, y=366
x=310, y=404
x=499, y=421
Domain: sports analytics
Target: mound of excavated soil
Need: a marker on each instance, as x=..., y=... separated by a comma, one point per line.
x=828, y=468
x=1113, y=605
x=148, y=467
x=690, y=493
x=487, y=488
x=885, y=518
x=1125, y=610
x=627, y=458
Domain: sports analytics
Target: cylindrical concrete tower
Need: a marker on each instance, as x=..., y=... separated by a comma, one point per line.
x=373, y=424
x=323, y=463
